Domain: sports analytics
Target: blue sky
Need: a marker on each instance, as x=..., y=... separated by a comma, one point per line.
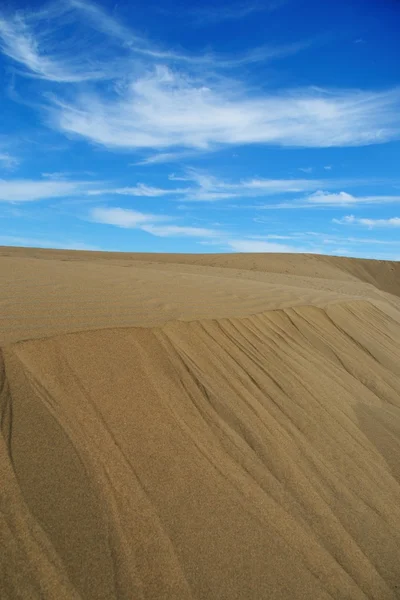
x=265, y=126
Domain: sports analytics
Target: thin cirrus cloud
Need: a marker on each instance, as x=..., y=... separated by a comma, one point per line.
x=161, y=226
x=210, y=189
x=123, y=217
x=352, y=220
x=164, y=157
x=163, y=109
x=7, y=161
x=259, y=246
x=321, y=199
x=26, y=190
x=141, y=190
x=207, y=187
x=99, y=47
x=201, y=186
x=155, y=107
x=197, y=186
x=157, y=225
x=26, y=40
x=12, y=240
x=232, y=12
x=138, y=45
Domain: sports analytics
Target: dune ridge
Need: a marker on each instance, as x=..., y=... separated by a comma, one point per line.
x=241, y=442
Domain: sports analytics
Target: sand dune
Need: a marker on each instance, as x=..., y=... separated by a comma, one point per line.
x=199, y=427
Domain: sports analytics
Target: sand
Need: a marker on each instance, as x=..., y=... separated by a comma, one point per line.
x=199, y=426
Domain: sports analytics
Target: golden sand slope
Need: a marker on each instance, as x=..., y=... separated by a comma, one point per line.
x=199, y=427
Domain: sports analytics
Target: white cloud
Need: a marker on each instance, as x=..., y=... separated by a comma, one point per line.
x=181, y=231
x=306, y=169
x=8, y=161
x=330, y=199
x=132, y=219
x=328, y=167
x=326, y=198
x=11, y=240
x=111, y=27
x=372, y=241
x=29, y=41
x=167, y=226
x=165, y=157
x=156, y=225
x=206, y=187
x=274, y=186
x=100, y=47
x=56, y=175
x=26, y=190
x=232, y=12
x=259, y=246
x=104, y=22
x=202, y=186
x=124, y=217
x=273, y=236
x=153, y=107
x=164, y=109
x=352, y=220
x=141, y=190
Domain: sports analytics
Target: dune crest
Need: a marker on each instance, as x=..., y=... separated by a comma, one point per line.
x=231, y=431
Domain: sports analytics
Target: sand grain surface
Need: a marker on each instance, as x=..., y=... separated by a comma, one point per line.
x=199, y=427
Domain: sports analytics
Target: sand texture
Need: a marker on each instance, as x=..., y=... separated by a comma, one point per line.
x=198, y=427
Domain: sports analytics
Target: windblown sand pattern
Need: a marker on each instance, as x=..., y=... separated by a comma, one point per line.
x=199, y=427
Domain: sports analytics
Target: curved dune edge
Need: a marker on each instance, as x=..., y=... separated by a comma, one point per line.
x=243, y=457
x=46, y=293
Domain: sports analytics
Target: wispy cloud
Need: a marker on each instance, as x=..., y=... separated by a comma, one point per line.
x=181, y=231
x=104, y=22
x=30, y=41
x=11, y=240
x=321, y=198
x=138, y=45
x=196, y=186
x=299, y=241
x=7, y=161
x=352, y=220
x=157, y=225
x=98, y=47
x=247, y=245
x=26, y=190
x=163, y=226
x=201, y=186
x=306, y=169
x=207, y=15
x=123, y=217
x=166, y=157
x=163, y=109
x=206, y=187
x=252, y=188
x=156, y=106
x=330, y=199
x=141, y=190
